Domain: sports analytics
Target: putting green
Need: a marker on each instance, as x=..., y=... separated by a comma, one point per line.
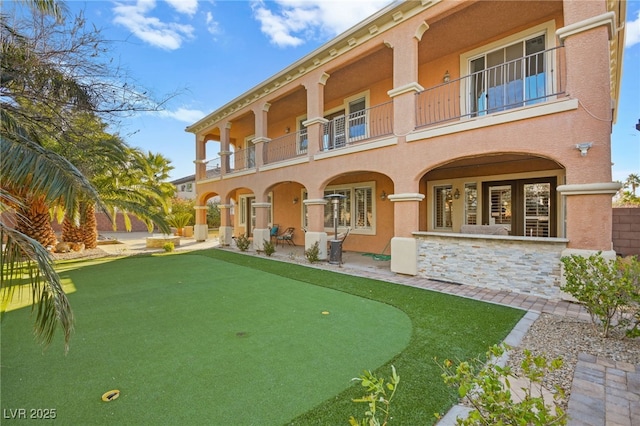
x=187, y=339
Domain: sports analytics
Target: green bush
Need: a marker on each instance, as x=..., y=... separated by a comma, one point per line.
x=243, y=242
x=313, y=253
x=378, y=398
x=168, y=247
x=488, y=389
x=268, y=247
x=179, y=219
x=609, y=290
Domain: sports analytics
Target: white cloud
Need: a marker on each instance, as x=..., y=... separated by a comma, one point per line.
x=166, y=35
x=632, y=34
x=189, y=116
x=188, y=7
x=213, y=26
x=292, y=22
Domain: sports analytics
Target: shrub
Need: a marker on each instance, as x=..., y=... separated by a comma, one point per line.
x=488, y=388
x=179, y=219
x=168, y=247
x=609, y=290
x=243, y=242
x=268, y=247
x=313, y=253
x=377, y=398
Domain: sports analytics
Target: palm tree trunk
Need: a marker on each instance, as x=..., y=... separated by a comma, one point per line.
x=86, y=232
x=90, y=227
x=33, y=220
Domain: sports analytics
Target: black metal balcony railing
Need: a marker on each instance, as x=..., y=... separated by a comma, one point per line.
x=242, y=159
x=213, y=168
x=524, y=81
x=359, y=126
x=286, y=147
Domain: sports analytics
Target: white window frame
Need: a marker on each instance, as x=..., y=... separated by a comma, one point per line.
x=352, y=187
x=548, y=29
x=345, y=107
x=435, y=190
x=248, y=144
x=299, y=128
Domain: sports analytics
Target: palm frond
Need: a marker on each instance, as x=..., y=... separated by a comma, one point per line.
x=26, y=164
x=23, y=257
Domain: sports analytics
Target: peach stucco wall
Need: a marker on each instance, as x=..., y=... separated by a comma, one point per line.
x=414, y=54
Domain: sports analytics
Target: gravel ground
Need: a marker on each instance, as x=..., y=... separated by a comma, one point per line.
x=84, y=254
x=555, y=336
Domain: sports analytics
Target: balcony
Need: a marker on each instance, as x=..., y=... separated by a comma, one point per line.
x=525, y=81
x=286, y=147
x=358, y=126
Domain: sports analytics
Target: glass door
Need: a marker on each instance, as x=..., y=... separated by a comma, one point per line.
x=500, y=206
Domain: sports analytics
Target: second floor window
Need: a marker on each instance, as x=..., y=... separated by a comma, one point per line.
x=508, y=77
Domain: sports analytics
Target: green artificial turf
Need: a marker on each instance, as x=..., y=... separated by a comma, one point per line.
x=215, y=337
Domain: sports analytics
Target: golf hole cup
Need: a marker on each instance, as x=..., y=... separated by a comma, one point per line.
x=110, y=395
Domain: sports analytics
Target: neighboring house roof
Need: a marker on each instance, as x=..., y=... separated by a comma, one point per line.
x=186, y=179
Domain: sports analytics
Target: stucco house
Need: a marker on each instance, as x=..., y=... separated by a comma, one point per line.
x=470, y=139
x=185, y=187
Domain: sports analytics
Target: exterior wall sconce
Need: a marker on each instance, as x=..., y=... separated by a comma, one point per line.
x=383, y=196
x=287, y=129
x=295, y=200
x=446, y=77
x=456, y=194
x=584, y=147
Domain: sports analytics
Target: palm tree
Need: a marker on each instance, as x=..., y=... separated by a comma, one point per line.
x=121, y=176
x=633, y=181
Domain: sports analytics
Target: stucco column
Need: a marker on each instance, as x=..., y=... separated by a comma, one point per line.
x=315, y=221
x=261, y=118
x=315, y=114
x=261, y=231
x=225, y=131
x=587, y=194
x=405, y=77
x=404, y=247
x=589, y=217
x=226, y=227
x=201, y=156
x=201, y=230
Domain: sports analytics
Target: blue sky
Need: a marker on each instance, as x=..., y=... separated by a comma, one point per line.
x=210, y=51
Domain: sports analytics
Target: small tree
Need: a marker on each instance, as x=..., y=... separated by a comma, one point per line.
x=213, y=215
x=488, y=389
x=378, y=398
x=609, y=289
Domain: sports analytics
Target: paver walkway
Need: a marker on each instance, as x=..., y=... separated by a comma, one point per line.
x=603, y=392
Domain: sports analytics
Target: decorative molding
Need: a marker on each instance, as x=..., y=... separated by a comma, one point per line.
x=316, y=201
x=315, y=120
x=261, y=139
x=422, y=28
x=607, y=19
x=323, y=78
x=590, y=188
x=409, y=87
x=409, y=196
x=261, y=205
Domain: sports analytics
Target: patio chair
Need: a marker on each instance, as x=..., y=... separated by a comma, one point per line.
x=273, y=232
x=287, y=236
